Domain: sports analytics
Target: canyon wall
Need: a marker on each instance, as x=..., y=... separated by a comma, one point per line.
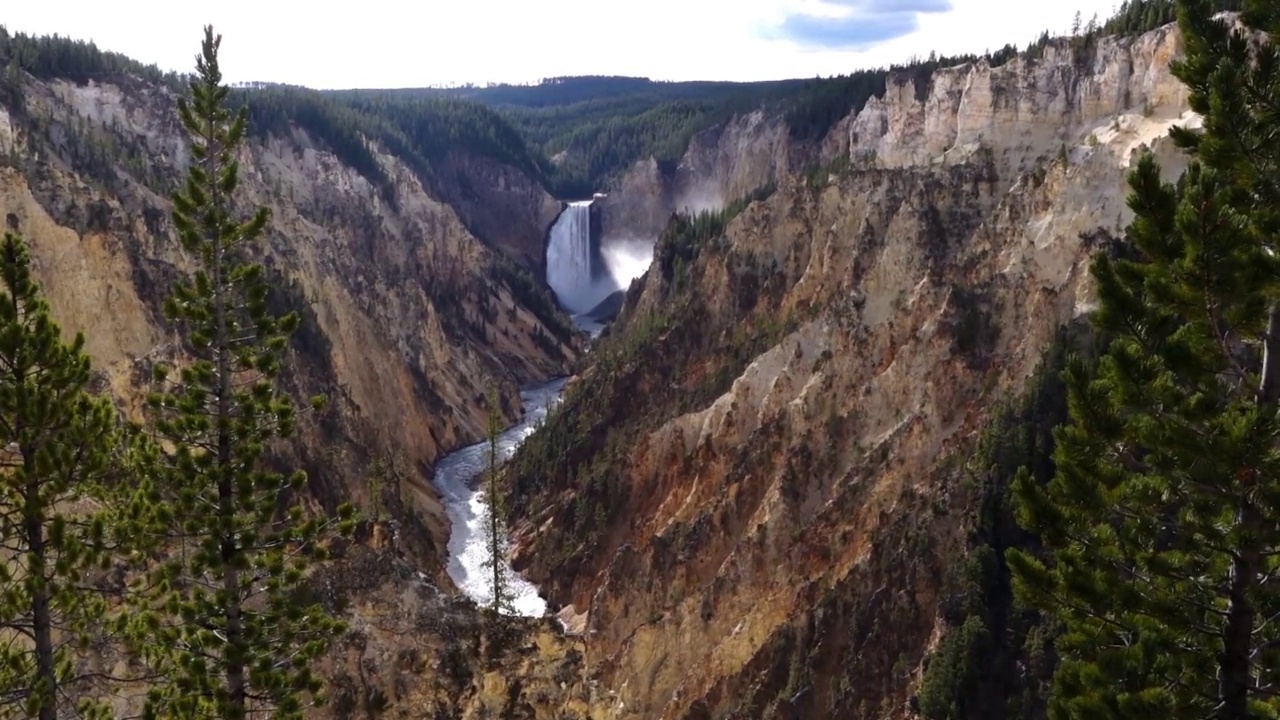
x=1019, y=112
x=501, y=205
x=721, y=165
x=408, y=318
x=1022, y=113
x=751, y=502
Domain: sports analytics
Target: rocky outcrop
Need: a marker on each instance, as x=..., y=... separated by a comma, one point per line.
x=1019, y=111
x=412, y=651
x=638, y=206
x=746, y=500
x=408, y=317
x=728, y=162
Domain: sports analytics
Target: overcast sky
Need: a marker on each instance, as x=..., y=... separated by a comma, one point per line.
x=382, y=43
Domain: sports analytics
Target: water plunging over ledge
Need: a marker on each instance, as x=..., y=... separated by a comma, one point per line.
x=458, y=476
x=589, y=273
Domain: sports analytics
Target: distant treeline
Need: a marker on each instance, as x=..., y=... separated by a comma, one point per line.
x=562, y=91
x=418, y=131
x=54, y=56
x=595, y=127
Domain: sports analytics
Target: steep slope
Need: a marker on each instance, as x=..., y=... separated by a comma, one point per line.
x=414, y=652
x=748, y=501
x=408, y=318
x=722, y=164
x=501, y=205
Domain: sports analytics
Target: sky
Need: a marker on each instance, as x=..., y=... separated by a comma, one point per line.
x=384, y=43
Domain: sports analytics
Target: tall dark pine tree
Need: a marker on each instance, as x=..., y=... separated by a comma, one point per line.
x=1164, y=515
x=496, y=560
x=57, y=441
x=236, y=632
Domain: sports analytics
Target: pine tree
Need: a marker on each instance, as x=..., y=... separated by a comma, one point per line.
x=11, y=84
x=57, y=446
x=497, y=556
x=1163, y=518
x=235, y=632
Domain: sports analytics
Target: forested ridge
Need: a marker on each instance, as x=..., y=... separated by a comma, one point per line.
x=420, y=131
x=573, y=135
x=56, y=56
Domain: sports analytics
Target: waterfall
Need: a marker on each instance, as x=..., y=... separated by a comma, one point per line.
x=589, y=281
x=569, y=271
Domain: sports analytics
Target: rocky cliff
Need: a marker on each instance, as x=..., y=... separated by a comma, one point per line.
x=408, y=317
x=749, y=502
x=721, y=165
x=1018, y=112
x=502, y=206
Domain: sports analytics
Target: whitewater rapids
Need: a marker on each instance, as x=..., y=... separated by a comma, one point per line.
x=458, y=477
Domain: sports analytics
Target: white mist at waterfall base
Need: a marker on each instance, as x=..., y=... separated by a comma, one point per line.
x=626, y=260
x=457, y=477
x=577, y=284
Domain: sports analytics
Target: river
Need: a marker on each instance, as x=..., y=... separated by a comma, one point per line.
x=458, y=480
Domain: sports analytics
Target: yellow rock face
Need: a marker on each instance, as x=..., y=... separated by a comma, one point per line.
x=408, y=321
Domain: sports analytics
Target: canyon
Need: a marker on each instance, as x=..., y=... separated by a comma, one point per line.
x=754, y=496
x=409, y=318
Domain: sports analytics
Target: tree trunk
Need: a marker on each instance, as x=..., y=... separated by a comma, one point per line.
x=233, y=653
x=41, y=614
x=33, y=512
x=495, y=545
x=1269, y=388
x=1235, y=671
x=232, y=656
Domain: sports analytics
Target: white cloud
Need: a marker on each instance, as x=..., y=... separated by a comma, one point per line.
x=384, y=43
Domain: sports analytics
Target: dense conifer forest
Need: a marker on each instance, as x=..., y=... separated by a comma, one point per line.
x=1138, y=16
